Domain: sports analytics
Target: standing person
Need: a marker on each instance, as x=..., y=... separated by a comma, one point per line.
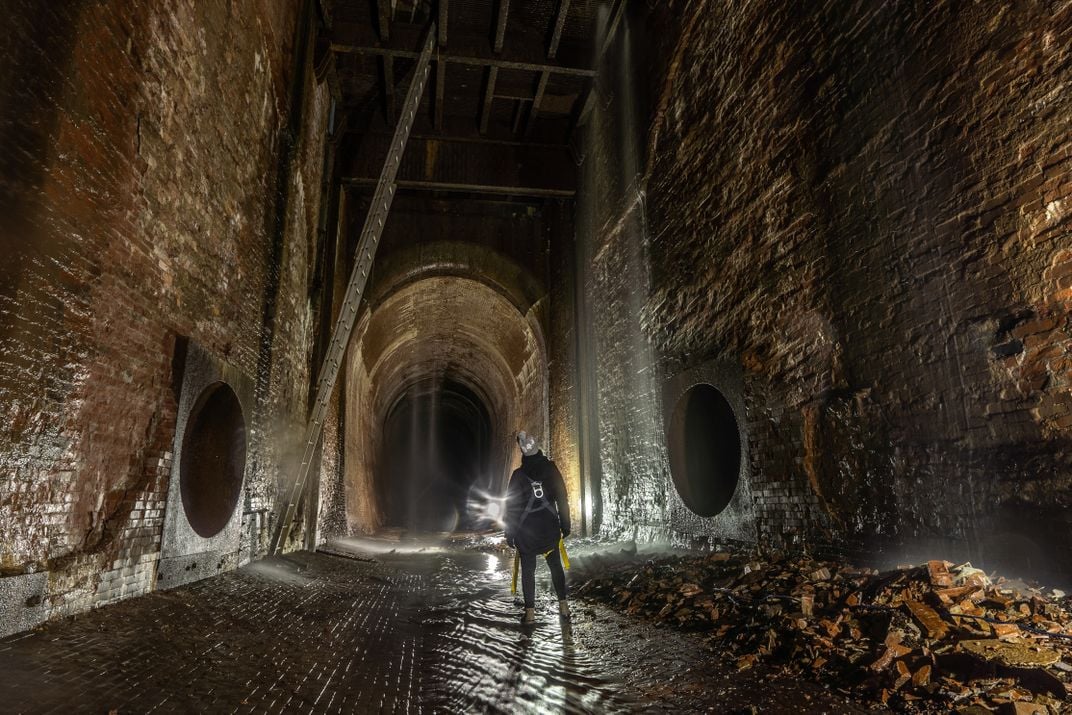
x=537, y=516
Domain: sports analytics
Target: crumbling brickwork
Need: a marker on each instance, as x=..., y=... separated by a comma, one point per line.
x=865, y=206
x=141, y=145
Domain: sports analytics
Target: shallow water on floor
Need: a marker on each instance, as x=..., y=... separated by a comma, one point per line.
x=478, y=656
x=377, y=627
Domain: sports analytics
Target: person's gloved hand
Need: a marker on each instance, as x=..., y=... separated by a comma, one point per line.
x=510, y=541
x=565, y=531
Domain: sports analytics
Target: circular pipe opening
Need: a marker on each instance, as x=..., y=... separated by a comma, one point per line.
x=705, y=450
x=213, y=460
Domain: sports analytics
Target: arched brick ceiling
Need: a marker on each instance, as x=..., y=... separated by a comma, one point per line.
x=441, y=328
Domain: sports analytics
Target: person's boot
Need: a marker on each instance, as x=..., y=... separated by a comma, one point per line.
x=563, y=610
x=529, y=618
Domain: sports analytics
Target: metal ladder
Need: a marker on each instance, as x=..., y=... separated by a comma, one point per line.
x=344, y=326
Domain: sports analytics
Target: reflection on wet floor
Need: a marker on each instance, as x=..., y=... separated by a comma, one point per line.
x=479, y=656
x=369, y=626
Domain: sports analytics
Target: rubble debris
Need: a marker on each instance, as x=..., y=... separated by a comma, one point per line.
x=928, y=618
x=930, y=638
x=1012, y=654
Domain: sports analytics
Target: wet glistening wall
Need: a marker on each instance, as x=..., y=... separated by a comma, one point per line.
x=795, y=275
x=855, y=216
x=147, y=157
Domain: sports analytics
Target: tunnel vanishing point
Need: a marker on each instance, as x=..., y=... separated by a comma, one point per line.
x=796, y=275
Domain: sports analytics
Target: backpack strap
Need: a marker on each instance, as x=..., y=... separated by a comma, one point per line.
x=531, y=507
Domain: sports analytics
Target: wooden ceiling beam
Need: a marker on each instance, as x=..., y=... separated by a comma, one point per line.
x=471, y=138
x=586, y=105
x=389, y=88
x=519, y=112
x=560, y=24
x=440, y=91
x=478, y=167
x=464, y=127
x=500, y=30
x=523, y=52
x=540, y=88
x=450, y=187
x=612, y=29
x=384, y=14
x=489, y=96
x=444, y=9
x=493, y=62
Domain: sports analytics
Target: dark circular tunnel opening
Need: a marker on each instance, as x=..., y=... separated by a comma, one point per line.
x=705, y=450
x=436, y=448
x=213, y=460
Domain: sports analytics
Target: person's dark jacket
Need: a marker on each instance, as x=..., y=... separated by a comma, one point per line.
x=539, y=531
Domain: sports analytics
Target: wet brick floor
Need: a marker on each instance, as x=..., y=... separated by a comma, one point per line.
x=414, y=630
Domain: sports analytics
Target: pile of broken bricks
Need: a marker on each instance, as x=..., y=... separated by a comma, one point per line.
x=930, y=638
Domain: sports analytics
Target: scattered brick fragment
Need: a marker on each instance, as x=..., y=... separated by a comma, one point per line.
x=930, y=638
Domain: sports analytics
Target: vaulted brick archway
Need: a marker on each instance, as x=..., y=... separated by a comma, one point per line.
x=454, y=354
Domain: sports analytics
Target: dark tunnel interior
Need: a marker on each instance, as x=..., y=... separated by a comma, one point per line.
x=705, y=450
x=783, y=292
x=213, y=457
x=436, y=447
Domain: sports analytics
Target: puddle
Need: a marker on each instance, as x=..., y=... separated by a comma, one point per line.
x=478, y=657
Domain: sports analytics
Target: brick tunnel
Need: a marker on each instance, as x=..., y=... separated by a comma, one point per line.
x=783, y=291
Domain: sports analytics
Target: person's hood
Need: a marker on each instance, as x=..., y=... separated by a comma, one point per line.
x=527, y=444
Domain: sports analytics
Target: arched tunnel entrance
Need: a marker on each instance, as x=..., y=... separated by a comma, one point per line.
x=436, y=449
x=443, y=371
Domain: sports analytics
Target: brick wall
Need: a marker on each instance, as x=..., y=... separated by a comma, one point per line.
x=561, y=443
x=140, y=149
x=865, y=207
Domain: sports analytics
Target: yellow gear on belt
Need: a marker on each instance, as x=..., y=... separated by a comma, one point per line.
x=561, y=552
x=517, y=561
